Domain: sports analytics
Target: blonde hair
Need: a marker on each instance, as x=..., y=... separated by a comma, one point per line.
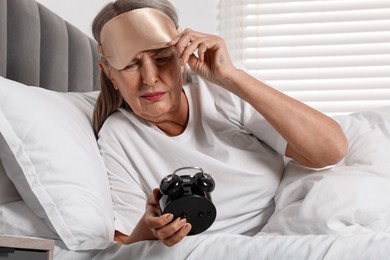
x=110, y=100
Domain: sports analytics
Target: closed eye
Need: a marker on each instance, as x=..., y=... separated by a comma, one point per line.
x=131, y=66
x=160, y=61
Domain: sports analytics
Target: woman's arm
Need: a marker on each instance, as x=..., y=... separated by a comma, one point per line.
x=313, y=139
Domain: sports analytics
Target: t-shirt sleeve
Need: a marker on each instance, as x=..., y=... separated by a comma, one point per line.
x=262, y=129
x=243, y=114
x=246, y=117
x=128, y=196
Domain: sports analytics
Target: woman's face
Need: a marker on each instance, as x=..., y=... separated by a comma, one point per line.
x=151, y=84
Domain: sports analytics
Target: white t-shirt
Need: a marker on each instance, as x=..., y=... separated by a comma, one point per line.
x=222, y=137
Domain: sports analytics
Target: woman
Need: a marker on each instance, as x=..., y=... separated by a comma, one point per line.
x=151, y=120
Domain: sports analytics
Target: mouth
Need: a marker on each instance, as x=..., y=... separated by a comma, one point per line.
x=155, y=96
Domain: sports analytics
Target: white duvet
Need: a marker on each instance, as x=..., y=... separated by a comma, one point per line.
x=342, y=212
x=351, y=197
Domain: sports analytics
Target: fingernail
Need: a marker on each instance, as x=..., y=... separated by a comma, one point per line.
x=169, y=217
x=188, y=226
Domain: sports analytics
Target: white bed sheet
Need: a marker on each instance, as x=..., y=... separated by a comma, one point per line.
x=357, y=246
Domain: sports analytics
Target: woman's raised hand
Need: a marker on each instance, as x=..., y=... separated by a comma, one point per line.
x=212, y=60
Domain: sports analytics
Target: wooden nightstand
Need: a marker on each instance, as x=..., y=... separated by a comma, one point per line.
x=20, y=248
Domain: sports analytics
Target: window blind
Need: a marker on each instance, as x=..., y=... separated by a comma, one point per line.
x=333, y=55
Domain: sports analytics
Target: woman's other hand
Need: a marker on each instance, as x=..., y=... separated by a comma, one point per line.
x=163, y=227
x=153, y=225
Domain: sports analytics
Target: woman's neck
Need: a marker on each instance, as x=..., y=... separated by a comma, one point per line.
x=178, y=125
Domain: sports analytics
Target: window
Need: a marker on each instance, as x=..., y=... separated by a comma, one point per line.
x=333, y=55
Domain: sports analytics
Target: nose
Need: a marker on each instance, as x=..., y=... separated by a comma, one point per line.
x=149, y=72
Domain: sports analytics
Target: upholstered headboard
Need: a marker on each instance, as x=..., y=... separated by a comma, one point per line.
x=39, y=48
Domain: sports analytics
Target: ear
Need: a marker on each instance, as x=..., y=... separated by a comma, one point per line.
x=101, y=64
x=105, y=70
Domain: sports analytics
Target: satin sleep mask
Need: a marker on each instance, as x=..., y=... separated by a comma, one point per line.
x=130, y=33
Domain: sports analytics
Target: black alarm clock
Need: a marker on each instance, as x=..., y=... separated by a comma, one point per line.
x=188, y=196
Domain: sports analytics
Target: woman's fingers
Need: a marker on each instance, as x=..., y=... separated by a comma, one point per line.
x=188, y=43
x=155, y=222
x=174, y=232
x=164, y=227
x=205, y=53
x=182, y=40
x=170, y=229
x=200, y=46
x=178, y=236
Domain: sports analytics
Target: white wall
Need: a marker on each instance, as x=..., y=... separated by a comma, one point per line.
x=199, y=15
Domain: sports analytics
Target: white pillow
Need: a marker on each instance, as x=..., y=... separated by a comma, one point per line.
x=53, y=159
x=24, y=221
x=8, y=193
x=351, y=197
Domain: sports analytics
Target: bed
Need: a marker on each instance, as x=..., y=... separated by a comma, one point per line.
x=53, y=183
